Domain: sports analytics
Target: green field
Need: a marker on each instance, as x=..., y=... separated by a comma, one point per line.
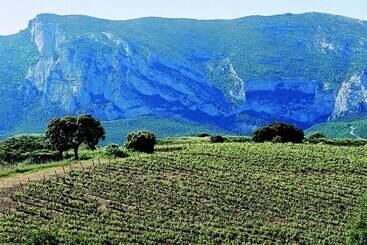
x=192, y=191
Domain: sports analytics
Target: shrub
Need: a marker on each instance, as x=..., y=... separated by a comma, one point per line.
x=143, y=141
x=287, y=132
x=22, y=148
x=217, y=139
x=114, y=150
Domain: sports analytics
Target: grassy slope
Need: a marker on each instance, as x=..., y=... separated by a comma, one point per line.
x=21, y=168
x=117, y=130
x=341, y=129
x=194, y=192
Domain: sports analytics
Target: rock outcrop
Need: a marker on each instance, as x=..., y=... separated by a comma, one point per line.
x=351, y=100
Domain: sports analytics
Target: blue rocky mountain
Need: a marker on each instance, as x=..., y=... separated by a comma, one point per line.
x=230, y=74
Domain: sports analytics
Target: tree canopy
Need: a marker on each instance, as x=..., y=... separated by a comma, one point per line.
x=142, y=141
x=70, y=132
x=278, y=132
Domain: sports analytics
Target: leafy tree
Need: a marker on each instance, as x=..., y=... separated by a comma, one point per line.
x=283, y=131
x=143, y=141
x=264, y=134
x=70, y=132
x=217, y=139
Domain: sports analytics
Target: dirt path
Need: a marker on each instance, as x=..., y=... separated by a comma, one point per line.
x=15, y=183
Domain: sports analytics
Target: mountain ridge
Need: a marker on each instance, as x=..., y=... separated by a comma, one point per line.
x=184, y=18
x=233, y=74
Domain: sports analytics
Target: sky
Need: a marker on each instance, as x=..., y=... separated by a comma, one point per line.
x=15, y=14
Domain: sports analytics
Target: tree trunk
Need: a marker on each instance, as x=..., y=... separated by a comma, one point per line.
x=61, y=155
x=76, y=156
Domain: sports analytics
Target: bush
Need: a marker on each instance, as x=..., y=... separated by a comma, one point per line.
x=217, y=139
x=26, y=148
x=113, y=150
x=143, y=141
x=287, y=132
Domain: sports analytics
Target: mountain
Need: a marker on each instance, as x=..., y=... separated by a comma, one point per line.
x=231, y=74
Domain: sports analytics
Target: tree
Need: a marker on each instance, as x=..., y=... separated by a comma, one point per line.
x=283, y=131
x=70, y=132
x=217, y=139
x=264, y=134
x=143, y=141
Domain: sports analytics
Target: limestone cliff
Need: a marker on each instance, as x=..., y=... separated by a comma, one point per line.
x=233, y=74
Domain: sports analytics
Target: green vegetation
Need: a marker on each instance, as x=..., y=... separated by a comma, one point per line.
x=217, y=139
x=171, y=141
x=317, y=135
x=341, y=129
x=70, y=132
x=192, y=191
x=113, y=150
x=8, y=171
x=358, y=231
x=336, y=142
x=27, y=148
x=278, y=132
x=143, y=141
x=116, y=130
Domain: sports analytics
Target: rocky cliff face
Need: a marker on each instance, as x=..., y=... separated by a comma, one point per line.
x=297, y=101
x=231, y=74
x=103, y=74
x=351, y=100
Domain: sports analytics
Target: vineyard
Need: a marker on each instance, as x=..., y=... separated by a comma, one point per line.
x=199, y=193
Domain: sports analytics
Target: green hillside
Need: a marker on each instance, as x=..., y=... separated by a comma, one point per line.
x=200, y=193
x=341, y=129
x=117, y=130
